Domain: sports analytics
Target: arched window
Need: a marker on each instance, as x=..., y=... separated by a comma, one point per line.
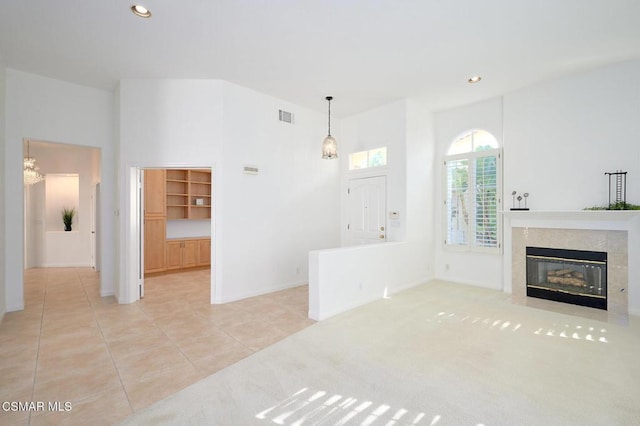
x=472, y=196
x=472, y=141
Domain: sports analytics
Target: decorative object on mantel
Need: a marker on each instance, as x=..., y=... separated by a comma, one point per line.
x=329, y=146
x=67, y=217
x=621, y=206
x=519, y=198
x=617, y=186
x=620, y=188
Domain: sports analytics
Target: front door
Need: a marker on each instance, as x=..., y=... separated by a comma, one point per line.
x=366, y=210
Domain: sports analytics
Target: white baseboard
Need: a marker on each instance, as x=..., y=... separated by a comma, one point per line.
x=317, y=316
x=260, y=292
x=65, y=265
x=15, y=308
x=471, y=283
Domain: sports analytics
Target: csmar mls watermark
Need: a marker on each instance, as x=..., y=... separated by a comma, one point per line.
x=15, y=406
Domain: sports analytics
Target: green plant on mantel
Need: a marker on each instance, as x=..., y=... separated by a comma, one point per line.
x=67, y=217
x=615, y=206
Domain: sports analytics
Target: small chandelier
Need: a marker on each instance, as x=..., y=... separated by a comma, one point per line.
x=329, y=146
x=30, y=170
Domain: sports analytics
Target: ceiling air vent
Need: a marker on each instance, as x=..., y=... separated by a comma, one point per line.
x=286, y=116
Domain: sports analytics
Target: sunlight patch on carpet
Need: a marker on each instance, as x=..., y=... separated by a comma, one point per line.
x=577, y=332
x=317, y=407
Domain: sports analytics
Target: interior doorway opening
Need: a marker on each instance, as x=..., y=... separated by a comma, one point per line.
x=71, y=175
x=175, y=215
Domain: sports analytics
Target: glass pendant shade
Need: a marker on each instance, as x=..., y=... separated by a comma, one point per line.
x=329, y=146
x=30, y=170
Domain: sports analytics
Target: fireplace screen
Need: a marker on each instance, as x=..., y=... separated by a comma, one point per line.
x=570, y=276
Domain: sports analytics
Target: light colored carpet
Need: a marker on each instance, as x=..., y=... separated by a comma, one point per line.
x=440, y=353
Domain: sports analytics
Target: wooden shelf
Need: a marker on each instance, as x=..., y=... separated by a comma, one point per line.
x=178, y=174
x=183, y=188
x=177, y=212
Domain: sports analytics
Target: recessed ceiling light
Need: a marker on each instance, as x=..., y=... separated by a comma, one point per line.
x=140, y=11
x=474, y=79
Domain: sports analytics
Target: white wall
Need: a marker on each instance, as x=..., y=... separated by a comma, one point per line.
x=383, y=126
x=420, y=191
x=561, y=136
x=272, y=220
x=3, y=241
x=62, y=191
x=34, y=245
x=46, y=109
x=166, y=123
x=483, y=270
x=347, y=277
x=558, y=138
x=343, y=278
x=188, y=228
x=66, y=250
x=263, y=225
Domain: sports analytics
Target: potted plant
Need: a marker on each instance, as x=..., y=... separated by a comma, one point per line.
x=67, y=217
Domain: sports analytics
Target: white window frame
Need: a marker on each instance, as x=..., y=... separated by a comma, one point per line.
x=369, y=151
x=471, y=240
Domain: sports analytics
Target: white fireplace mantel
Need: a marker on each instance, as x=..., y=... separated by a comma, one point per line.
x=603, y=220
x=620, y=220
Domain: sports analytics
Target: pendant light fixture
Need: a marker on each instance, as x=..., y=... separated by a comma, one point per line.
x=329, y=146
x=30, y=169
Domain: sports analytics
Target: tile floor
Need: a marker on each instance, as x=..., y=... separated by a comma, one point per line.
x=110, y=360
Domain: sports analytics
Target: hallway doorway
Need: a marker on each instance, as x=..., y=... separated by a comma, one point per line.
x=71, y=175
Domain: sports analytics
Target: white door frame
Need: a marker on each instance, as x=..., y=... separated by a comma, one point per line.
x=95, y=226
x=98, y=224
x=132, y=256
x=140, y=235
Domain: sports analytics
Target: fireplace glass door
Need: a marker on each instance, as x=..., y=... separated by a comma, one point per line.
x=570, y=276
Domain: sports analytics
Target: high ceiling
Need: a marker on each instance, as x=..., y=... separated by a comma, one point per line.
x=363, y=52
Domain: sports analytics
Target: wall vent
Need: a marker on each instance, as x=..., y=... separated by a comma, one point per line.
x=286, y=116
x=250, y=170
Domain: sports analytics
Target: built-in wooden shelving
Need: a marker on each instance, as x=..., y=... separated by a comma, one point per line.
x=188, y=194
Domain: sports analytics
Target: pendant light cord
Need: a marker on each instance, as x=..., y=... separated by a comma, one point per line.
x=329, y=116
x=329, y=98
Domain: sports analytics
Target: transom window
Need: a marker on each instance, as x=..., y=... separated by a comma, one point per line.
x=472, y=196
x=364, y=159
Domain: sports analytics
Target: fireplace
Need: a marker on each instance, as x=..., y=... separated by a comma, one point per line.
x=571, y=276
